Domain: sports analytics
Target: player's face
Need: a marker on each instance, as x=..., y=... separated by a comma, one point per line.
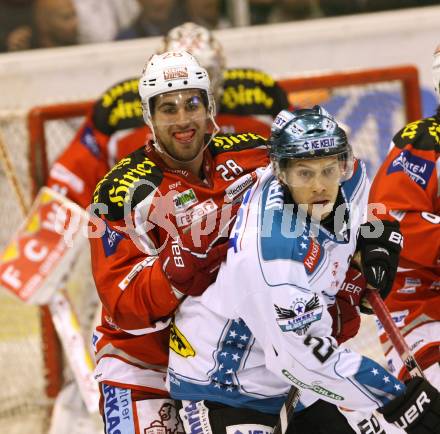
x=180, y=122
x=314, y=184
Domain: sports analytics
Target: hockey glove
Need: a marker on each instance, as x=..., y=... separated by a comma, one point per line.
x=345, y=311
x=417, y=411
x=380, y=254
x=189, y=272
x=191, y=260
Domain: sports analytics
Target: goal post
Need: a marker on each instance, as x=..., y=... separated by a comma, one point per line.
x=406, y=75
x=373, y=103
x=37, y=119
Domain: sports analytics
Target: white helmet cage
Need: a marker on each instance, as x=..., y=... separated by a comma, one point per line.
x=436, y=71
x=201, y=43
x=171, y=71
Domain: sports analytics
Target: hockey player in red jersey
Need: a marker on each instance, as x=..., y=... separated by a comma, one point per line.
x=147, y=203
x=247, y=100
x=408, y=184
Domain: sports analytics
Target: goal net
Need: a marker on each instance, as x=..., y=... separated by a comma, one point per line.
x=373, y=104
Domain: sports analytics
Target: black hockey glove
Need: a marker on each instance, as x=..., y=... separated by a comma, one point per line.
x=380, y=250
x=417, y=411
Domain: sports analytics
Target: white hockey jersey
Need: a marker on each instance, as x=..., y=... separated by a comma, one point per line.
x=263, y=326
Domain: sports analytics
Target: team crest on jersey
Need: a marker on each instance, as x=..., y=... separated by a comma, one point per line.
x=299, y=316
x=179, y=344
x=184, y=200
x=418, y=169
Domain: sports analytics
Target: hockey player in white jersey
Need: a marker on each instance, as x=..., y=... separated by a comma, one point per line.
x=263, y=326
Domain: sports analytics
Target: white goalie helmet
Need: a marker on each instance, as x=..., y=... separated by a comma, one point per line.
x=171, y=71
x=202, y=44
x=436, y=71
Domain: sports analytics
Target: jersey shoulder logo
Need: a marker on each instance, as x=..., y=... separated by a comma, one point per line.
x=236, y=142
x=423, y=135
x=248, y=92
x=179, y=344
x=130, y=181
x=417, y=168
x=118, y=108
x=88, y=139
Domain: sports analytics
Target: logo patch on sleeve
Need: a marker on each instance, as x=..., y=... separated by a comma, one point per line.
x=110, y=241
x=418, y=169
x=179, y=344
x=299, y=316
x=88, y=139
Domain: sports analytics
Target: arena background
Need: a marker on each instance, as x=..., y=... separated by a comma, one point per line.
x=357, y=41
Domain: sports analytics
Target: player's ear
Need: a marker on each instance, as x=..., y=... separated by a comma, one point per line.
x=282, y=177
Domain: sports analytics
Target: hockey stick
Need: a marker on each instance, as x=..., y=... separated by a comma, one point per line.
x=393, y=332
x=287, y=411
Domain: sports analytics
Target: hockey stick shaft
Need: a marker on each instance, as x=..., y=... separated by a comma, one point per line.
x=287, y=411
x=394, y=334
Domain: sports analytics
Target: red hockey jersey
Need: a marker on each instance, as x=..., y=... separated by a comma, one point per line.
x=408, y=185
x=132, y=341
